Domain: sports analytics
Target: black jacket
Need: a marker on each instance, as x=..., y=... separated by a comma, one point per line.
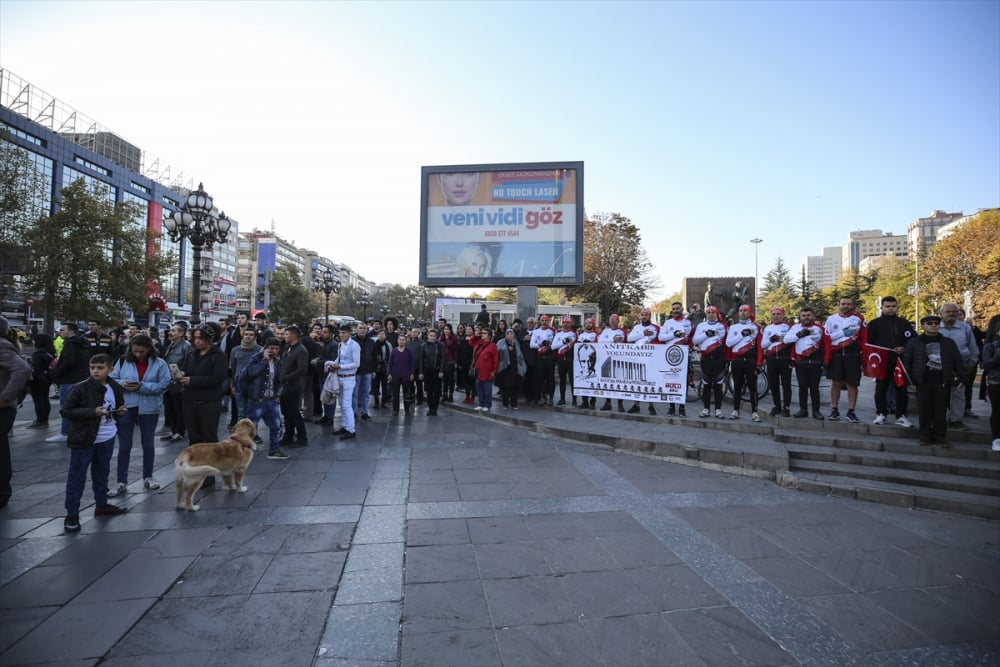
x=294, y=366
x=915, y=359
x=890, y=331
x=208, y=374
x=431, y=358
x=367, y=346
x=74, y=362
x=83, y=400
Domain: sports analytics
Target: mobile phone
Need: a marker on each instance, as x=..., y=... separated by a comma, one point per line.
x=175, y=369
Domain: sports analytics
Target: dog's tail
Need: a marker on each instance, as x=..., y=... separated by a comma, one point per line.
x=185, y=468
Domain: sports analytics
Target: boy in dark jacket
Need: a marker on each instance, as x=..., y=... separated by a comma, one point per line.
x=92, y=408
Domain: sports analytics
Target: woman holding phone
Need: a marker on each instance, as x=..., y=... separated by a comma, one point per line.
x=145, y=378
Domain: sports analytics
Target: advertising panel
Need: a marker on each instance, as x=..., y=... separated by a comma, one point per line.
x=654, y=373
x=502, y=225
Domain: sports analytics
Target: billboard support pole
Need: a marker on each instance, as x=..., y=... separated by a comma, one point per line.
x=527, y=302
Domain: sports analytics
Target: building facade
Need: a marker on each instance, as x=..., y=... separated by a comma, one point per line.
x=64, y=145
x=871, y=243
x=922, y=232
x=823, y=270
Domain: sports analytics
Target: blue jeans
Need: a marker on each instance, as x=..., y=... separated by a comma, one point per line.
x=241, y=406
x=147, y=431
x=270, y=413
x=362, y=388
x=64, y=390
x=484, y=392
x=97, y=458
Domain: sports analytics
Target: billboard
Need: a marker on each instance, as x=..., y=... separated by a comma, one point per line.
x=502, y=225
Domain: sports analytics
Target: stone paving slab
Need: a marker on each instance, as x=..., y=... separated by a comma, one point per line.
x=459, y=540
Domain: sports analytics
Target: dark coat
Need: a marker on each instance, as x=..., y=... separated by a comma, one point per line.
x=74, y=362
x=915, y=359
x=80, y=406
x=208, y=374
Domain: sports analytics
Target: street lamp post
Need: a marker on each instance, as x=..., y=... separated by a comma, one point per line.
x=364, y=302
x=327, y=284
x=384, y=310
x=197, y=221
x=756, y=272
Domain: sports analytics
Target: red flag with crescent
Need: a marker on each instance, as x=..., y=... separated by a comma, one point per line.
x=899, y=375
x=876, y=360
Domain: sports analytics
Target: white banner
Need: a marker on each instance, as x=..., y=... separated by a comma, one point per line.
x=653, y=373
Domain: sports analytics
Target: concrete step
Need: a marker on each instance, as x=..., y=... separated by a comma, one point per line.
x=878, y=443
x=886, y=432
x=913, y=478
x=899, y=495
x=916, y=458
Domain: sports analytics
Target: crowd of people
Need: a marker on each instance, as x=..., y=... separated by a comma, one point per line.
x=110, y=383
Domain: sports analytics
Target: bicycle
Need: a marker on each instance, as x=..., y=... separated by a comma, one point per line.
x=696, y=383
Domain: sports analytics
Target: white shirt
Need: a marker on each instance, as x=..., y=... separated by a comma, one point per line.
x=675, y=331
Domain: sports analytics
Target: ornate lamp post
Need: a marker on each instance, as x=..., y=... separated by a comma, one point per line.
x=328, y=285
x=197, y=221
x=364, y=302
x=384, y=310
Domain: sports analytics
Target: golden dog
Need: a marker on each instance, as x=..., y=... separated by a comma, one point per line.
x=229, y=458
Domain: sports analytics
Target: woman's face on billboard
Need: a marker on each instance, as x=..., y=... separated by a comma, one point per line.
x=458, y=188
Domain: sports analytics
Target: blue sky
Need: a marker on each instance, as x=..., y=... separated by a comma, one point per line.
x=707, y=123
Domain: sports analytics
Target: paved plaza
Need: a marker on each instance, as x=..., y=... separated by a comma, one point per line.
x=463, y=540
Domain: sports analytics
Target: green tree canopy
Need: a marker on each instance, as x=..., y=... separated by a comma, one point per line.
x=92, y=259
x=968, y=260
x=291, y=302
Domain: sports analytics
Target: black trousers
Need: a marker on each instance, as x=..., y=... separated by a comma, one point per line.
x=202, y=420
x=994, y=393
x=432, y=389
x=40, y=397
x=779, y=379
x=546, y=376
x=404, y=389
x=712, y=370
x=932, y=406
x=565, y=368
x=531, y=383
x=173, y=412
x=291, y=410
x=882, y=388
x=7, y=416
x=808, y=374
x=744, y=373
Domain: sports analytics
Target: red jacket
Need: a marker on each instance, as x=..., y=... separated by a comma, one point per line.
x=486, y=359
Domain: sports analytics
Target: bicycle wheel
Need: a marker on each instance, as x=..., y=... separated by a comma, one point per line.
x=694, y=381
x=762, y=386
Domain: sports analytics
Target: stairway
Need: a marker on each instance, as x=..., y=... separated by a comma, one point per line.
x=885, y=464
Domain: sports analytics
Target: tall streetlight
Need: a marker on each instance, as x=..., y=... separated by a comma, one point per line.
x=384, y=310
x=756, y=272
x=328, y=285
x=197, y=221
x=364, y=302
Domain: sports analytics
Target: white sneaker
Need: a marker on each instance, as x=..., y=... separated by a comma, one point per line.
x=486, y=409
x=755, y=416
x=879, y=419
x=735, y=414
x=996, y=445
x=478, y=408
x=718, y=414
x=118, y=490
x=705, y=413
x=150, y=484
x=904, y=422
x=56, y=438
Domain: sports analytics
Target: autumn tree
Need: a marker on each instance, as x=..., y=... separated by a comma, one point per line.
x=853, y=284
x=968, y=260
x=617, y=272
x=91, y=259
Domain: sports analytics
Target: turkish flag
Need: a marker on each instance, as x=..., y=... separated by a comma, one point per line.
x=876, y=360
x=899, y=375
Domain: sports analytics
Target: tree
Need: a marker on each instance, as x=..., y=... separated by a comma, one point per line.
x=20, y=207
x=617, y=272
x=778, y=289
x=810, y=297
x=502, y=294
x=778, y=278
x=291, y=302
x=92, y=259
x=855, y=285
x=967, y=260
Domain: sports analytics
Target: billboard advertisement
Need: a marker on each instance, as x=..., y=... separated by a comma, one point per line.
x=502, y=225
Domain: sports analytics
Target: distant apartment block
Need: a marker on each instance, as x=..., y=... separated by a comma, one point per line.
x=925, y=230
x=823, y=270
x=871, y=243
